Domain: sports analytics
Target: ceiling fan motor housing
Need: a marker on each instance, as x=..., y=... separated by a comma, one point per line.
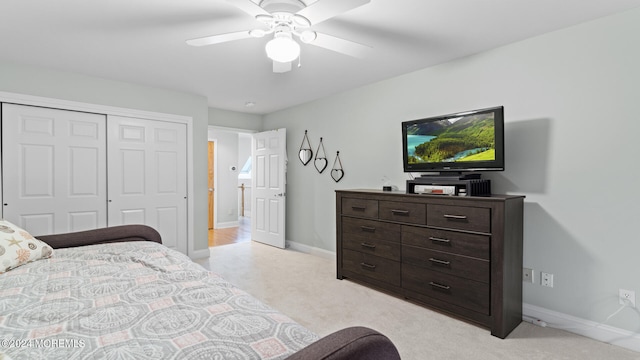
x=289, y=6
x=282, y=22
x=282, y=31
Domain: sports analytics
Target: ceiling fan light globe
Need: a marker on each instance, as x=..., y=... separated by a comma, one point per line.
x=282, y=49
x=308, y=36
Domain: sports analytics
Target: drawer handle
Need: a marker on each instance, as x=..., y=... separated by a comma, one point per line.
x=400, y=212
x=370, y=246
x=358, y=208
x=455, y=217
x=439, y=286
x=440, y=262
x=368, y=228
x=435, y=239
x=368, y=266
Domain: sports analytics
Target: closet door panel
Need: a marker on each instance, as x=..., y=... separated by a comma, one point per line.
x=54, y=173
x=35, y=164
x=147, y=167
x=130, y=216
x=36, y=223
x=168, y=226
x=84, y=169
x=132, y=172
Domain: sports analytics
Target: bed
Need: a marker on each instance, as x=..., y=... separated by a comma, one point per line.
x=118, y=293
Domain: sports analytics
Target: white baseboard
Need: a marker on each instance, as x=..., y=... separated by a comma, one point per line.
x=200, y=254
x=587, y=328
x=310, y=250
x=228, y=224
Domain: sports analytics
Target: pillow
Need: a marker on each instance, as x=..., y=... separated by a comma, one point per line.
x=18, y=247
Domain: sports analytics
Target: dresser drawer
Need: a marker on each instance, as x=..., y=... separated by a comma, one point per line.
x=371, y=229
x=462, y=266
x=465, y=293
x=385, y=249
x=474, y=245
x=371, y=266
x=360, y=207
x=403, y=212
x=459, y=217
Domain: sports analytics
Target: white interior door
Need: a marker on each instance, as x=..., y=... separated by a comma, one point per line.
x=268, y=196
x=147, y=171
x=53, y=169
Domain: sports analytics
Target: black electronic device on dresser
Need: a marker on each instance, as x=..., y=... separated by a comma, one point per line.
x=461, y=255
x=453, y=149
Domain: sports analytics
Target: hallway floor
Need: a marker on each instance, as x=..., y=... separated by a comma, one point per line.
x=233, y=235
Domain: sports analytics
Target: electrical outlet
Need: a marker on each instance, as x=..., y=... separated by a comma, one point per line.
x=546, y=279
x=527, y=275
x=627, y=297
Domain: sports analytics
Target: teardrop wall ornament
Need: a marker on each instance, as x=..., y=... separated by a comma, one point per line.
x=337, y=173
x=305, y=154
x=320, y=162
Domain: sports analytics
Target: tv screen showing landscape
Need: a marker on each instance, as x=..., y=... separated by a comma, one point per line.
x=468, y=138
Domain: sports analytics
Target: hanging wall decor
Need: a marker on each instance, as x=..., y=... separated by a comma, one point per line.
x=320, y=161
x=337, y=173
x=305, y=154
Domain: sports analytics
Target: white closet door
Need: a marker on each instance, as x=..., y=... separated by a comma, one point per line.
x=147, y=170
x=53, y=169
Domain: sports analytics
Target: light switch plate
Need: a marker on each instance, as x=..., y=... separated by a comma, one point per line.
x=527, y=275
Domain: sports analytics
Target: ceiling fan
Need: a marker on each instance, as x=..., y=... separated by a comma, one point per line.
x=286, y=19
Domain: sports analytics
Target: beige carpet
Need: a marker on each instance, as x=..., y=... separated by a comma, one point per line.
x=305, y=288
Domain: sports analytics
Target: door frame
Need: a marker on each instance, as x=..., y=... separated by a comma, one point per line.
x=215, y=180
x=23, y=99
x=211, y=129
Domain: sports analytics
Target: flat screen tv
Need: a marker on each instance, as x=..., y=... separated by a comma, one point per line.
x=463, y=142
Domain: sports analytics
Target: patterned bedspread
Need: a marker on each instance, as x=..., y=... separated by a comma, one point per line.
x=137, y=300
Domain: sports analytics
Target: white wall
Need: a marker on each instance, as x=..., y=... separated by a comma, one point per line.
x=235, y=120
x=22, y=79
x=244, y=148
x=572, y=122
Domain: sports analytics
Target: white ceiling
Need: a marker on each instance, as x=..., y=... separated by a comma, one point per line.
x=143, y=42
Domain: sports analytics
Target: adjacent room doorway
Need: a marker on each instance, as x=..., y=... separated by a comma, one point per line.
x=229, y=178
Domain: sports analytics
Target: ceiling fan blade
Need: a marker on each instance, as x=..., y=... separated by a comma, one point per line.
x=341, y=45
x=322, y=10
x=249, y=7
x=279, y=67
x=217, y=39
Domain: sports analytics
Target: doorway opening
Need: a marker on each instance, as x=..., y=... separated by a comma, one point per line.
x=229, y=181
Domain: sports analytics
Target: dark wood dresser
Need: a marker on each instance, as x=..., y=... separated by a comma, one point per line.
x=461, y=255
